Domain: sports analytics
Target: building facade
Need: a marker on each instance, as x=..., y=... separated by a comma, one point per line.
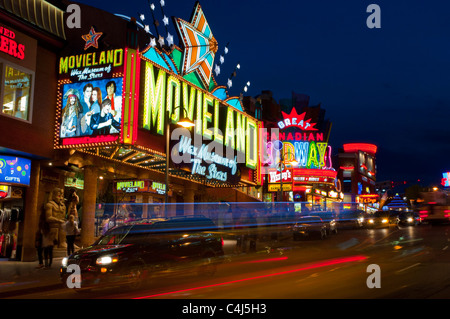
x=357, y=171
x=32, y=34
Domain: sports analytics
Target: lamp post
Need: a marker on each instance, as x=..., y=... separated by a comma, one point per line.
x=185, y=122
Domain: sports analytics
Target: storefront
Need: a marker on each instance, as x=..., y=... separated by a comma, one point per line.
x=298, y=160
x=14, y=178
x=29, y=45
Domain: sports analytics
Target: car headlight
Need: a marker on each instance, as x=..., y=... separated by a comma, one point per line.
x=106, y=260
x=410, y=220
x=384, y=221
x=371, y=221
x=64, y=261
x=361, y=219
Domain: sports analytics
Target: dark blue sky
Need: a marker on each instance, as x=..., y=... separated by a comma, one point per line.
x=387, y=86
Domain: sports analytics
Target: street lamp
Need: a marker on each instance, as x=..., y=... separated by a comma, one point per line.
x=184, y=122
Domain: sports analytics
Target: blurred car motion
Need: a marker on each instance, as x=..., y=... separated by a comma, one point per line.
x=309, y=226
x=409, y=219
x=352, y=219
x=329, y=218
x=381, y=219
x=131, y=253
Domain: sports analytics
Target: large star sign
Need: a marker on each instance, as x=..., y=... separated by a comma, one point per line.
x=200, y=46
x=91, y=38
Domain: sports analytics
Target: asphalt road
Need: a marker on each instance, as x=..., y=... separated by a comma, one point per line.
x=412, y=262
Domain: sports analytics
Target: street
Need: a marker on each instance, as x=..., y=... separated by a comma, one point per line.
x=413, y=263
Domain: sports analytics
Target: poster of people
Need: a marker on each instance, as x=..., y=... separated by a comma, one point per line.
x=91, y=108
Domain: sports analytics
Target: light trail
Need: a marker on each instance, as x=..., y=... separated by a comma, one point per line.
x=307, y=267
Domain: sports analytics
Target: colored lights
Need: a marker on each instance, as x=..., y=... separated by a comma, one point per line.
x=445, y=179
x=364, y=147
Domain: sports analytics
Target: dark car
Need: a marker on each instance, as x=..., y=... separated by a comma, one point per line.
x=309, y=226
x=381, y=219
x=130, y=253
x=329, y=218
x=409, y=219
x=351, y=219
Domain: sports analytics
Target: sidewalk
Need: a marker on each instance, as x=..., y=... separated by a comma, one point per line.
x=17, y=277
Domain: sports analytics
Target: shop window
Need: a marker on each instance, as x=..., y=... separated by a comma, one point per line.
x=16, y=86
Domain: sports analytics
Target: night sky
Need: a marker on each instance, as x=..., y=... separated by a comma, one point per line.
x=389, y=86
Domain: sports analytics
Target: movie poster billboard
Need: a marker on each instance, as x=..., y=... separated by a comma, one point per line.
x=90, y=98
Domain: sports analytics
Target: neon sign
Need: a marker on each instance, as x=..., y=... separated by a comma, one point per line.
x=214, y=120
x=203, y=161
x=305, y=154
x=93, y=64
x=293, y=119
x=445, y=179
x=9, y=46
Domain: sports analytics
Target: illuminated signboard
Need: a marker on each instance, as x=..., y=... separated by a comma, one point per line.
x=204, y=161
x=181, y=81
x=275, y=176
x=139, y=186
x=445, y=179
x=131, y=186
x=307, y=154
x=90, y=103
x=9, y=45
x=293, y=119
x=95, y=104
x=215, y=121
x=15, y=170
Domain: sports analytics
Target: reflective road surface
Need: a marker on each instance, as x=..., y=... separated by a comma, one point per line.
x=410, y=262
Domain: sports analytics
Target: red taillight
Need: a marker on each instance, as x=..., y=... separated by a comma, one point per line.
x=221, y=241
x=423, y=214
x=447, y=213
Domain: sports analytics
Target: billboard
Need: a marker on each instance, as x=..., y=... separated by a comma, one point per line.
x=90, y=98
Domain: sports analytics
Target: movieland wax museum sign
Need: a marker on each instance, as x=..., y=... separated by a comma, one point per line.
x=180, y=81
x=97, y=99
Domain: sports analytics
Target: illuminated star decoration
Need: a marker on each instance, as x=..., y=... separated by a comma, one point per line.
x=222, y=60
x=91, y=38
x=200, y=46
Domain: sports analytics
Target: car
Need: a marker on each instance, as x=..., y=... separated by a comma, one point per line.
x=309, y=226
x=409, y=219
x=329, y=218
x=131, y=253
x=381, y=219
x=351, y=219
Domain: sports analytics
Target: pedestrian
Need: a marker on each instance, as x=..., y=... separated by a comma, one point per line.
x=71, y=229
x=39, y=249
x=74, y=200
x=48, y=240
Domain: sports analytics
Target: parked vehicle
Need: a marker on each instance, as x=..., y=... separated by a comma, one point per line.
x=351, y=219
x=131, y=253
x=309, y=226
x=381, y=219
x=409, y=219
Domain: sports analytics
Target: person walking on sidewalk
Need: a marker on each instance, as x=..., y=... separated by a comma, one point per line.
x=39, y=249
x=71, y=229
